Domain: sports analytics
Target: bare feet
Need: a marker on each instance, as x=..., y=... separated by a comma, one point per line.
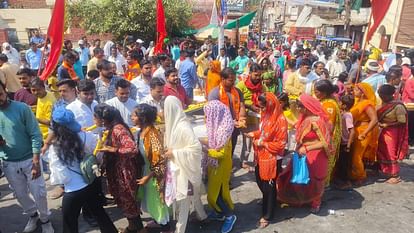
x=263, y=223
x=393, y=180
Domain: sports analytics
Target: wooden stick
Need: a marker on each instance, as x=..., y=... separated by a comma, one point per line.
x=363, y=49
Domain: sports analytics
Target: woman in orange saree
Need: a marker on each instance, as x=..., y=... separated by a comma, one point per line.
x=365, y=145
x=313, y=140
x=393, y=139
x=213, y=76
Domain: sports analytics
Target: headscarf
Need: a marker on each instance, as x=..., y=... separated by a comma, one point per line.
x=213, y=76
x=256, y=89
x=186, y=148
x=320, y=120
x=12, y=54
x=368, y=92
x=107, y=48
x=219, y=124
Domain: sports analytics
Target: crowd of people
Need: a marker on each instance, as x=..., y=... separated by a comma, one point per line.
x=347, y=112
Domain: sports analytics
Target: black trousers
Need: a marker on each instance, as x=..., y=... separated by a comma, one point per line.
x=234, y=137
x=411, y=127
x=268, y=189
x=89, y=196
x=343, y=164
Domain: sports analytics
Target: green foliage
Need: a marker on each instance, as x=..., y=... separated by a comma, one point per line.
x=128, y=17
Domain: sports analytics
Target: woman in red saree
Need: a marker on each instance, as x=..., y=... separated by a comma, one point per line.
x=393, y=139
x=269, y=145
x=313, y=140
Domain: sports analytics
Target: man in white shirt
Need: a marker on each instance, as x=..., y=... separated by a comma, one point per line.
x=335, y=66
x=156, y=96
x=122, y=102
x=222, y=57
x=119, y=61
x=142, y=81
x=84, y=55
x=165, y=62
x=83, y=107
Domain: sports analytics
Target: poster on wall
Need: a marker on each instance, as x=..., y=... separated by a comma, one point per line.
x=235, y=5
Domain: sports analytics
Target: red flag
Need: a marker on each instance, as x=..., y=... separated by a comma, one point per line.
x=55, y=35
x=378, y=8
x=162, y=31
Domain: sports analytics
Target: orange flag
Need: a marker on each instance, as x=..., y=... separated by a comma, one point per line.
x=379, y=9
x=55, y=35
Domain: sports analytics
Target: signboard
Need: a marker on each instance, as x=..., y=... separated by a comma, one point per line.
x=235, y=5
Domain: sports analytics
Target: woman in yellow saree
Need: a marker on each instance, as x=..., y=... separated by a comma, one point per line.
x=324, y=90
x=365, y=145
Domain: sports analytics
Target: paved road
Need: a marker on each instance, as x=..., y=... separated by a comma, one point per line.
x=376, y=207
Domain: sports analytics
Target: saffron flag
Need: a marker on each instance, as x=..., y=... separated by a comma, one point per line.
x=379, y=8
x=55, y=35
x=162, y=31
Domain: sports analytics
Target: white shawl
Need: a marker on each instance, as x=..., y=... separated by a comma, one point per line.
x=186, y=148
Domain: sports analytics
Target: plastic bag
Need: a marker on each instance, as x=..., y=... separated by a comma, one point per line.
x=300, y=172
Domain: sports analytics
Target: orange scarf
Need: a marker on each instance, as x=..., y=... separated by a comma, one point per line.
x=133, y=71
x=71, y=71
x=235, y=98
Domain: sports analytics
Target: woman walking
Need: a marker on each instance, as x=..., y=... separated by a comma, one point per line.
x=121, y=164
x=324, y=91
x=184, y=154
x=220, y=127
x=151, y=151
x=65, y=154
x=365, y=144
x=313, y=140
x=393, y=139
x=269, y=144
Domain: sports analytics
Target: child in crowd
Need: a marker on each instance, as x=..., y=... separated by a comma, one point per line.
x=93, y=74
x=290, y=118
x=348, y=133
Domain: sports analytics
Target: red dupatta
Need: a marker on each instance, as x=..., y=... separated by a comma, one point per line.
x=256, y=89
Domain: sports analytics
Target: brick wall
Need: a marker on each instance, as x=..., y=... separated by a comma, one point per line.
x=28, y=4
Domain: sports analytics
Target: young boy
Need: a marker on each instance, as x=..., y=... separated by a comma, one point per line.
x=348, y=132
x=24, y=94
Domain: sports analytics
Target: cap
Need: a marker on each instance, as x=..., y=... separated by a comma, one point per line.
x=139, y=41
x=81, y=42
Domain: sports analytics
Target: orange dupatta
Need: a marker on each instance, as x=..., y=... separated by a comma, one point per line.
x=213, y=76
x=133, y=70
x=273, y=130
x=235, y=98
x=71, y=71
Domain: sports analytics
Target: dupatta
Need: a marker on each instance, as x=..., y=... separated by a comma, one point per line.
x=318, y=122
x=180, y=137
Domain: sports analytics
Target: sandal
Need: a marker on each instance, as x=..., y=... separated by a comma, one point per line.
x=263, y=223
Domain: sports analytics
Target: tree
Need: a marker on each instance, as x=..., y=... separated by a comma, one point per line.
x=128, y=17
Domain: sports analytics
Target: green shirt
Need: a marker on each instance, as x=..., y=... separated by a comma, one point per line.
x=247, y=93
x=20, y=129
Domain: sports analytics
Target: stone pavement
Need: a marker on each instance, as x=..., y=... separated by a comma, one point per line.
x=376, y=207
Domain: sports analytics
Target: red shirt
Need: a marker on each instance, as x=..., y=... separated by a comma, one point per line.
x=179, y=93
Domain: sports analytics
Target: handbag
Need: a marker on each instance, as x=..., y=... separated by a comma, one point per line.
x=88, y=167
x=300, y=173
x=267, y=168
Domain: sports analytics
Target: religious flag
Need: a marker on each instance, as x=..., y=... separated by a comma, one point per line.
x=55, y=35
x=214, y=20
x=378, y=8
x=162, y=31
x=223, y=11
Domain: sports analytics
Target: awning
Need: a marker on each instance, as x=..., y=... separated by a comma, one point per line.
x=245, y=20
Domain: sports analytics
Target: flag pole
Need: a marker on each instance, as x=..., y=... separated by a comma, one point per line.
x=42, y=63
x=363, y=48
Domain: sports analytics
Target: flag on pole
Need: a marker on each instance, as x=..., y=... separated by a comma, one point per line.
x=162, y=31
x=378, y=8
x=55, y=35
x=223, y=11
x=214, y=19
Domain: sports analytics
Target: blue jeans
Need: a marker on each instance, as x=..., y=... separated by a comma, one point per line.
x=189, y=92
x=225, y=210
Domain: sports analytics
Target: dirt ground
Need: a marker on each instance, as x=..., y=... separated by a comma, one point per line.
x=375, y=207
